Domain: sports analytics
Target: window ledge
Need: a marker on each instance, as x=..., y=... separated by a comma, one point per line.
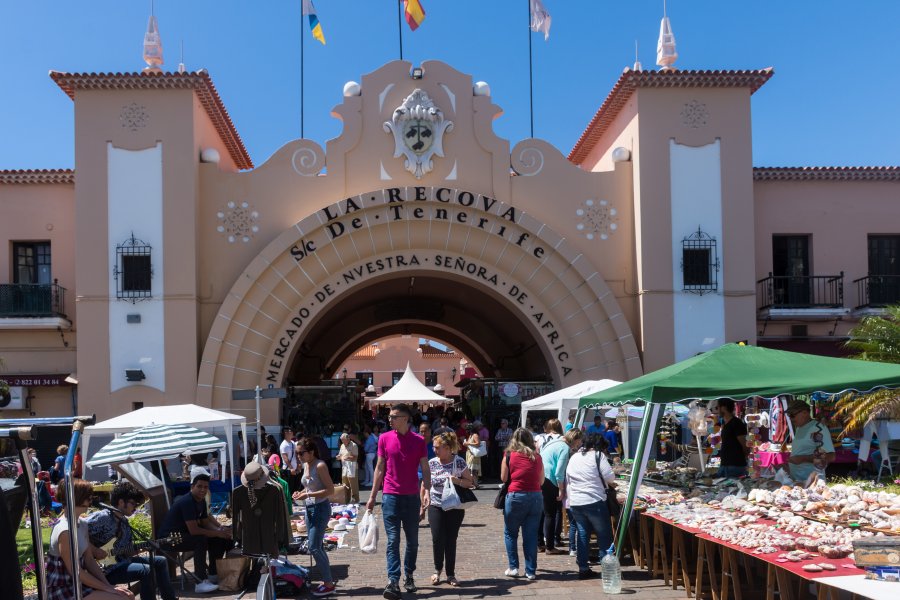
x=52, y=323
x=803, y=314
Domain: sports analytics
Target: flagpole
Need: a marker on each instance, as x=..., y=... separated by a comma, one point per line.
x=302, y=61
x=400, y=26
x=530, y=71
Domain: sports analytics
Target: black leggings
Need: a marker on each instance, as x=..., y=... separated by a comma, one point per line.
x=552, y=513
x=444, y=532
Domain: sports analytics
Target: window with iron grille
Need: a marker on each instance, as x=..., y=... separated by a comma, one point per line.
x=32, y=262
x=365, y=377
x=430, y=378
x=699, y=263
x=133, y=271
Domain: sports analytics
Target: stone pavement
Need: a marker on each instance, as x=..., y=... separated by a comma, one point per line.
x=481, y=560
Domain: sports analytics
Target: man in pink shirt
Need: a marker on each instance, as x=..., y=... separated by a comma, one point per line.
x=401, y=453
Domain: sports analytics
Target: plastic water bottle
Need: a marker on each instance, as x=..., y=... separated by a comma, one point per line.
x=612, y=572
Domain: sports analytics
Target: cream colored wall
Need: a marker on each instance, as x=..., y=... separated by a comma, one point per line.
x=170, y=114
x=393, y=357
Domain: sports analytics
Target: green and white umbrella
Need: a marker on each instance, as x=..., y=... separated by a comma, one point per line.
x=155, y=442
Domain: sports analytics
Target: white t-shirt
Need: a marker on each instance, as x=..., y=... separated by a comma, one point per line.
x=288, y=448
x=63, y=525
x=583, y=482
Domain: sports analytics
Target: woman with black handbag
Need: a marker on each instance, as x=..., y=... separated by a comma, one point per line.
x=445, y=524
x=588, y=476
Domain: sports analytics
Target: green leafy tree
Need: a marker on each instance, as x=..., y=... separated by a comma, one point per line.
x=875, y=339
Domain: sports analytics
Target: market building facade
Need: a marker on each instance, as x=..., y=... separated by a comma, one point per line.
x=168, y=268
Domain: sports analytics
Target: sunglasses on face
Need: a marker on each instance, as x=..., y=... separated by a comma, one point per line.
x=393, y=417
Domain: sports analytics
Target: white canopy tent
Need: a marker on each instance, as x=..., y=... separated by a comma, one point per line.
x=566, y=400
x=408, y=390
x=178, y=414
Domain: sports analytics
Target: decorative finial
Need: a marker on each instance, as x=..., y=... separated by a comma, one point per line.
x=181, y=68
x=637, y=63
x=665, y=47
x=153, y=50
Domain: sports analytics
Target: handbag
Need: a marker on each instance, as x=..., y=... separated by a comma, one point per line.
x=232, y=572
x=500, y=500
x=481, y=450
x=612, y=502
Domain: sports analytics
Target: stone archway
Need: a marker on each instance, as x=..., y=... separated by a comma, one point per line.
x=493, y=247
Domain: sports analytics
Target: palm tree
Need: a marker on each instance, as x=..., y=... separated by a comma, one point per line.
x=876, y=339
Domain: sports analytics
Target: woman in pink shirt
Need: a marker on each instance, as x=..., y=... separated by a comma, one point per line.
x=523, y=468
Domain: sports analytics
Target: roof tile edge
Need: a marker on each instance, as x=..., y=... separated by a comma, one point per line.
x=37, y=176
x=826, y=173
x=200, y=82
x=630, y=80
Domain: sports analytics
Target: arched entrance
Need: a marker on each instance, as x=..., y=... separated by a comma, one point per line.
x=502, y=286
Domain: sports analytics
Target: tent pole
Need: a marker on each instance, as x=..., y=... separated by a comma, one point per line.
x=700, y=453
x=648, y=427
x=165, y=487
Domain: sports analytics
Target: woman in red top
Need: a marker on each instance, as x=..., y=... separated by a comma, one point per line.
x=524, y=470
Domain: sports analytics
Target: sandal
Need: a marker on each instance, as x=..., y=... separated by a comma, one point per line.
x=453, y=581
x=435, y=579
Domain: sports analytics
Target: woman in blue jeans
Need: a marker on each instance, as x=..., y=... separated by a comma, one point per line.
x=523, y=468
x=316, y=495
x=588, y=475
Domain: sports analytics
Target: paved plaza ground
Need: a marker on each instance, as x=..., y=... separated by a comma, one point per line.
x=481, y=560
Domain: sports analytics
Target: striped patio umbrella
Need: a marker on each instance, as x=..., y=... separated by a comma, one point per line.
x=155, y=442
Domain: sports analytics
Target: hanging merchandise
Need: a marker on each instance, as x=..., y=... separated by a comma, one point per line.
x=697, y=418
x=779, y=423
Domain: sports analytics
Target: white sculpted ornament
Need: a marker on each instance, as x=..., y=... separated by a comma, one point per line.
x=418, y=127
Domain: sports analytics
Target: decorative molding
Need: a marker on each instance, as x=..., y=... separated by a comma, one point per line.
x=238, y=222
x=694, y=114
x=134, y=116
x=308, y=160
x=826, y=173
x=528, y=162
x=418, y=127
x=596, y=218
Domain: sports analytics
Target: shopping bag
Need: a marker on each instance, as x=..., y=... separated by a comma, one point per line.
x=231, y=572
x=449, y=497
x=368, y=533
x=481, y=450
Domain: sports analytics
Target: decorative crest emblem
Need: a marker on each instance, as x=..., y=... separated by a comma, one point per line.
x=418, y=127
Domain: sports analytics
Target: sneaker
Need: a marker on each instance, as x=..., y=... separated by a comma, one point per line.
x=205, y=587
x=572, y=553
x=392, y=591
x=511, y=572
x=587, y=574
x=530, y=576
x=554, y=551
x=410, y=584
x=213, y=579
x=323, y=590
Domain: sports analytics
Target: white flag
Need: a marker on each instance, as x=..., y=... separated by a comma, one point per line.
x=540, y=18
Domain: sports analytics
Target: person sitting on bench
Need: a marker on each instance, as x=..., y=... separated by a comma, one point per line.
x=199, y=532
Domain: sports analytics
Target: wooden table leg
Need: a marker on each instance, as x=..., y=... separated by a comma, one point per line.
x=679, y=564
x=660, y=552
x=646, y=541
x=703, y=557
x=783, y=581
x=770, y=581
x=730, y=579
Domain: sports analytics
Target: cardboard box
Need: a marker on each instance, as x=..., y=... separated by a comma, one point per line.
x=881, y=551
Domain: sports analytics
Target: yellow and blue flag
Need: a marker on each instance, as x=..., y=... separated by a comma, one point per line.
x=314, y=26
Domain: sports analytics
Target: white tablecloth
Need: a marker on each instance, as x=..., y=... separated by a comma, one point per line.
x=862, y=587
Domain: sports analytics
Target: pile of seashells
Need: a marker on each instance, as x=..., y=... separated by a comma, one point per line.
x=879, y=510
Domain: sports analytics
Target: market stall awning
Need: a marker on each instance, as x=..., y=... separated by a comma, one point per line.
x=155, y=442
x=408, y=390
x=738, y=371
x=567, y=399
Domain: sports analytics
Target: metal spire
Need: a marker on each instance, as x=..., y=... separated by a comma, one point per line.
x=665, y=46
x=637, y=63
x=153, y=50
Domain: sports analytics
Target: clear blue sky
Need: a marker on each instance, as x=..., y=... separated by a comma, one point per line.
x=833, y=101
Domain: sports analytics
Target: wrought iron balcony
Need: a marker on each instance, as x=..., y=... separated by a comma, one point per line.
x=811, y=291
x=877, y=291
x=32, y=300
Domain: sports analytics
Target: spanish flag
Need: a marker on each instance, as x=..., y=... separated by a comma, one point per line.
x=415, y=13
x=314, y=26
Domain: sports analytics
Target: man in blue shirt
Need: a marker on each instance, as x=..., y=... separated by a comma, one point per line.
x=612, y=438
x=597, y=427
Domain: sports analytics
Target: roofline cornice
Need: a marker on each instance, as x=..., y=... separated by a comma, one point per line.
x=826, y=173
x=37, y=176
x=200, y=82
x=631, y=80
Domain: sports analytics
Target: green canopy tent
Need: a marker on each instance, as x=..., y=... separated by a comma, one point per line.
x=734, y=371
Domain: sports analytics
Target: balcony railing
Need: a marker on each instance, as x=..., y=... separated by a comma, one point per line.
x=877, y=291
x=812, y=291
x=32, y=300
